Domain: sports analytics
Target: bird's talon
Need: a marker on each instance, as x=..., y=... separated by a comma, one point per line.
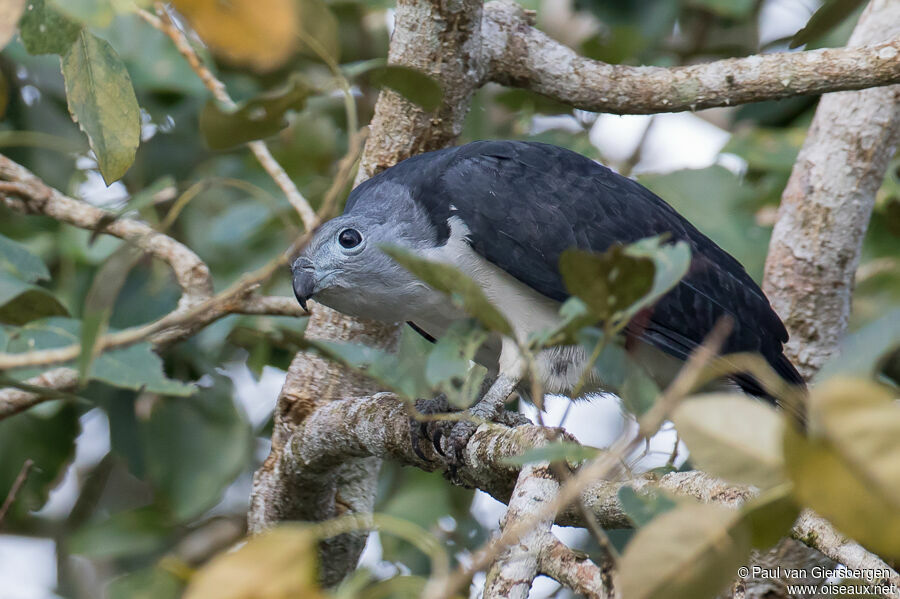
x=436, y=441
x=420, y=430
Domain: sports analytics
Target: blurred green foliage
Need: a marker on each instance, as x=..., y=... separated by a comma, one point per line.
x=179, y=438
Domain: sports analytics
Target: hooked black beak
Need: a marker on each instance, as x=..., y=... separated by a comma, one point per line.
x=304, y=279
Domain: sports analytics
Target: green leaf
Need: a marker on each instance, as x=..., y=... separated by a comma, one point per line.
x=670, y=262
x=96, y=13
x=421, y=500
x=149, y=583
x=613, y=365
x=45, y=31
x=318, y=30
x=25, y=264
x=454, y=351
x=730, y=220
x=770, y=516
x=862, y=420
x=194, y=448
x=99, y=302
x=638, y=391
x=620, y=282
x=403, y=372
x=558, y=451
x=258, y=118
x=826, y=18
x=45, y=436
x=860, y=353
x=529, y=102
x=137, y=367
x=416, y=87
x=688, y=552
x=608, y=283
x=734, y=437
x=280, y=562
x=464, y=292
x=643, y=507
x=22, y=302
x=449, y=368
x=767, y=149
x=134, y=367
x=848, y=468
x=133, y=532
x=102, y=101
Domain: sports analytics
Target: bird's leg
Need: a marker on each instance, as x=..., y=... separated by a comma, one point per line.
x=490, y=406
x=450, y=437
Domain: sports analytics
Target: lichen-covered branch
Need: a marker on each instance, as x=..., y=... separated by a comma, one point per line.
x=13, y=400
x=826, y=206
x=513, y=571
x=377, y=426
x=574, y=571
x=519, y=55
x=817, y=532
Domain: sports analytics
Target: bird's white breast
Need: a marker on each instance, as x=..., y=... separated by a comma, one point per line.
x=527, y=311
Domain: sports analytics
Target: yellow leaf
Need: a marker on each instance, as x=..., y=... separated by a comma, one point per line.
x=733, y=437
x=10, y=11
x=278, y=564
x=261, y=34
x=691, y=551
x=848, y=467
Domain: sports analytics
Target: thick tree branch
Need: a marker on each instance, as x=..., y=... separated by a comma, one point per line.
x=817, y=532
x=13, y=400
x=826, y=206
x=513, y=572
x=574, y=571
x=518, y=55
x=443, y=40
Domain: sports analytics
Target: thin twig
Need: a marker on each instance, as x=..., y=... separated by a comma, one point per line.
x=16, y=486
x=218, y=304
x=574, y=571
x=164, y=23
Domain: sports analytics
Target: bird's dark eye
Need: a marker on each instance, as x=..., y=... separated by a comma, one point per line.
x=349, y=238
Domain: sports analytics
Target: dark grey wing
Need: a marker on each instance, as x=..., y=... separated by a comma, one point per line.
x=525, y=203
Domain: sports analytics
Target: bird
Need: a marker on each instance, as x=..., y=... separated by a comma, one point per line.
x=503, y=212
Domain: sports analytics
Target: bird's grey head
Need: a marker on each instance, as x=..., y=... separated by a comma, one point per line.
x=343, y=266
